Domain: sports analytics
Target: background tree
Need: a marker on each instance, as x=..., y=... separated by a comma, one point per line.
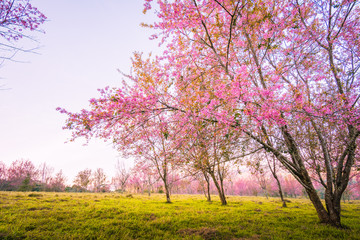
x=197, y=170
x=260, y=166
x=143, y=179
x=57, y=183
x=83, y=180
x=99, y=180
x=259, y=171
x=22, y=175
x=121, y=177
x=45, y=175
x=147, y=175
x=3, y=177
x=274, y=169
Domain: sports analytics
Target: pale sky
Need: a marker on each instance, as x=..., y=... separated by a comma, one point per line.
x=86, y=41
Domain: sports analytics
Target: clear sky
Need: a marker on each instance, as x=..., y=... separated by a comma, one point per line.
x=86, y=41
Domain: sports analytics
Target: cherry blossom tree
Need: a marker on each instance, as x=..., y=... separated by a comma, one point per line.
x=273, y=167
x=260, y=172
x=282, y=73
x=291, y=69
x=17, y=18
x=156, y=153
x=213, y=162
x=212, y=150
x=137, y=182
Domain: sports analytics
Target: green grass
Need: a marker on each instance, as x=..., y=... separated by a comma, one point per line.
x=118, y=216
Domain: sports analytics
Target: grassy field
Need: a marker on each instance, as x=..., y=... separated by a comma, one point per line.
x=117, y=216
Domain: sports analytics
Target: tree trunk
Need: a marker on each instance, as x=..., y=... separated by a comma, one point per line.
x=333, y=207
x=149, y=186
x=207, y=179
x=220, y=189
x=208, y=190
x=280, y=190
x=168, y=200
x=273, y=172
x=266, y=193
x=167, y=192
x=332, y=215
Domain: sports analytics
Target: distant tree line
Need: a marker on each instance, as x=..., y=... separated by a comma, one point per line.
x=23, y=175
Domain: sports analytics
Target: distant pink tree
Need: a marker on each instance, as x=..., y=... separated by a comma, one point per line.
x=353, y=191
x=247, y=186
x=3, y=176
x=356, y=187
x=143, y=178
x=57, y=183
x=190, y=185
x=22, y=175
x=291, y=186
x=137, y=182
x=175, y=180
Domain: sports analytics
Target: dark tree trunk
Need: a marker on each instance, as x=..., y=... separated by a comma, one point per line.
x=333, y=206
x=331, y=215
x=219, y=188
x=208, y=190
x=280, y=190
x=167, y=192
x=273, y=172
x=168, y=200
x=166, y=186
x=149, y=186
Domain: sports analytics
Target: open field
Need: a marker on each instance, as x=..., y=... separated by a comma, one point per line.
x=121, y=216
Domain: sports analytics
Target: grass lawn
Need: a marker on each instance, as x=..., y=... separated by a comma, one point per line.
x=121, y=216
